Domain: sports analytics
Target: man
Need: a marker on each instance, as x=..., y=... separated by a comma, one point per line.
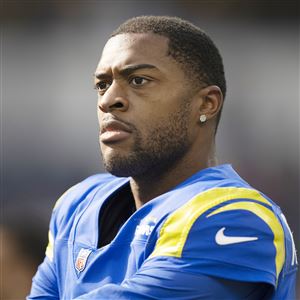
x=169, y=223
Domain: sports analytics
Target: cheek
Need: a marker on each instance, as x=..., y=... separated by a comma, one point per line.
x=99, y=115
x=148, y=120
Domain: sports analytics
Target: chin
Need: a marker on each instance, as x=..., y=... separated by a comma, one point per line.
x=126, y=165
x=116, y=165
x=117, y=170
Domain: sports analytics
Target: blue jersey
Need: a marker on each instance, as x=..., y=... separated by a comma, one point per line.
x=213, y=225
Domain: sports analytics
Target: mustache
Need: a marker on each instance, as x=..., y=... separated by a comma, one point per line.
x=110, y=119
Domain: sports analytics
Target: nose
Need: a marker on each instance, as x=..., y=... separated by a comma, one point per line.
x=114, y=99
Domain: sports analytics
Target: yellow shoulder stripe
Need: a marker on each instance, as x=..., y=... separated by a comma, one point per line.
x=50, y=247
x=270, y=219
x=176, y=228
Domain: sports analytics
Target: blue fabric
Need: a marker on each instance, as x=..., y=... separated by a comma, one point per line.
x=125, y=269
x=158, y=283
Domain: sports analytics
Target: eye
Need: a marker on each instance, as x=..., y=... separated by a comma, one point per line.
x=102, y=86
x=138, y=81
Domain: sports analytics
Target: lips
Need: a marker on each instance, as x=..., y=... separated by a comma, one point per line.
x=114, y=131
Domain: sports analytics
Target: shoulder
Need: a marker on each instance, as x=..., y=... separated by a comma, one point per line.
x=78, y=192
x=232, y=232
x=71, y=203
x=77, y=198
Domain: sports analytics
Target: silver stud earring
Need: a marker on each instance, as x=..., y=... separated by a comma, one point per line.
x=202, y=118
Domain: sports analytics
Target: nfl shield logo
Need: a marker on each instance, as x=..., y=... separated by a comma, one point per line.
x=82, y=259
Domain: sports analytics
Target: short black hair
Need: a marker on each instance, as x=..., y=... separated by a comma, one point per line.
x=188, y=45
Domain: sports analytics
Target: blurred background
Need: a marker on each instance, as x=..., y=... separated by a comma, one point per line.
x=49, y=131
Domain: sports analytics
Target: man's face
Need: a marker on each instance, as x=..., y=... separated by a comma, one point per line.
x=144, y=106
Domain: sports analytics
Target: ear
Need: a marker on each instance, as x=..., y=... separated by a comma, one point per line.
x=211, y=101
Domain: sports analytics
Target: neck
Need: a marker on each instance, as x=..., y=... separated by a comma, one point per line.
x=148, y=186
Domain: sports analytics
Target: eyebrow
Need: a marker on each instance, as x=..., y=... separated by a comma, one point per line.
x=127, y=70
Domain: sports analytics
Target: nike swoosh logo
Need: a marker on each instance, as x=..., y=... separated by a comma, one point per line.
x=222, y=239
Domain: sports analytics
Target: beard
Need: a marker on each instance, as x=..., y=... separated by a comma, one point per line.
x=165, y=144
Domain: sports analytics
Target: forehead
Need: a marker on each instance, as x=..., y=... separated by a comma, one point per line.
x=141, y=48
